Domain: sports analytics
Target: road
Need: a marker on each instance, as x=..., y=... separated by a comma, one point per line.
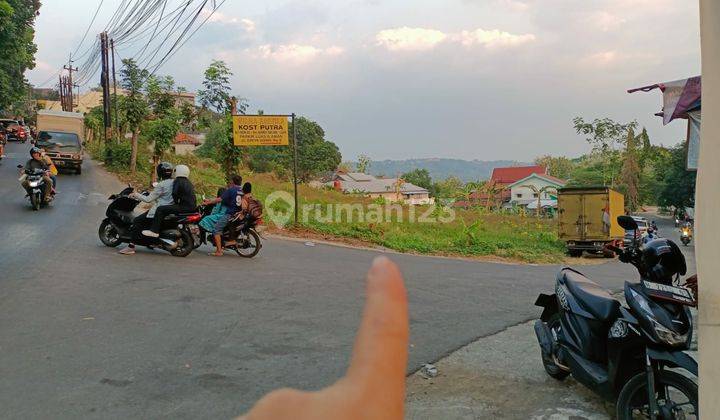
x=88, y=333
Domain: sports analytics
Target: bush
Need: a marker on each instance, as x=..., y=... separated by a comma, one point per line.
x=117, y=155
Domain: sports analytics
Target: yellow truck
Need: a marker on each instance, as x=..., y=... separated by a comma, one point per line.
x=61, y=134
x=587, y=219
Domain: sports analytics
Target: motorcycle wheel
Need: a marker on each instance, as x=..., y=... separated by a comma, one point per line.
x=109, y=236
x=250, y=246
x=186, y=246
x=35, y=202
x=670, y=386
x=551, y=368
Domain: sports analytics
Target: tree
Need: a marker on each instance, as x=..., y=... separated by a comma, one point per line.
x=315, y=154
x=216, y=93
x=448, y=187
x=631, y=173
x=538, y=192
x=225, y=152
x=560, y=167
x=677, y=184
x=419, y=177
x=17, y=20
x=363, y=164
x=604, y=134
x=160, y=97
x=606, y=137
x=162, y=132
x=135, y=108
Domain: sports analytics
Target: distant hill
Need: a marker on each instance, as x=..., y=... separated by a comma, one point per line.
x=466, y=170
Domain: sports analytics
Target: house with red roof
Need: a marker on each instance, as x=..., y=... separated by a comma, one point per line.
x=536, y=189
x=497, y=190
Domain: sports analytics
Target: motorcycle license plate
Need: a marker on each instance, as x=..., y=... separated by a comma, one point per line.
x=669, y=293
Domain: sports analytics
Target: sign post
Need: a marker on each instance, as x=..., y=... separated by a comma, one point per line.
x=268, y=130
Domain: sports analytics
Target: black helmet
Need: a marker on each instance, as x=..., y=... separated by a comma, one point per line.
x=663, y=259
x=35, y=150
x=164, y=170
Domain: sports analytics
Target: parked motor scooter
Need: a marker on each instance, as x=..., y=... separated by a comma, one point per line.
x=625, y=352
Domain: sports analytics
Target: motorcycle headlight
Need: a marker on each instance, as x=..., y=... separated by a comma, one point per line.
x=662, y=333
x=34, y=184
x=666, y=335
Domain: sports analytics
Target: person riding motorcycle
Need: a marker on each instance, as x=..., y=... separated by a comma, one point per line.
x=161, y=195
x=183, y=200
x=37, y=162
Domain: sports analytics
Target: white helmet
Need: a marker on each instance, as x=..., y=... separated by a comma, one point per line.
x=181, y=171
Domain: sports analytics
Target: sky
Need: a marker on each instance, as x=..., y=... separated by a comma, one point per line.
x=397, y=79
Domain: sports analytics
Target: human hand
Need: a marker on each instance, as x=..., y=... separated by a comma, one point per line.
x=374, y=384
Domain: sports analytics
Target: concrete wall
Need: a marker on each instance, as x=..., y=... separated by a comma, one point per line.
x=707, y=204
x=527, y=193
x=184, y=149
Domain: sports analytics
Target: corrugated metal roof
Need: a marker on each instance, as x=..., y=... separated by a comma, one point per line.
x=377, y=185
x=513, y=174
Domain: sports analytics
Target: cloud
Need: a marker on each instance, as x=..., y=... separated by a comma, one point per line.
x=409, y=39
x=421, y=39
x=294, y=53
x=606, y=21
x=248, y=25
x=493, y=38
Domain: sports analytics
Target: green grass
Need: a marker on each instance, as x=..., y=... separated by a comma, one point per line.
x=472, y=233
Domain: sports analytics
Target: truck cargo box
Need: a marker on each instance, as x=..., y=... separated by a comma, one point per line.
x=587, y=218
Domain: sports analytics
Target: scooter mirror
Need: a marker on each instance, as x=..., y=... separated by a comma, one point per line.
x=20, y=166
x=627, y=223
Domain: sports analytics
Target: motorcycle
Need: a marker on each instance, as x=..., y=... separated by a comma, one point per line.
x=116, y=228
x=685, y=236
x=36, y=187
x=624, y=352
x=247, y=244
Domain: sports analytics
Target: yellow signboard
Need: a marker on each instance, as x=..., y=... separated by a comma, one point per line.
x=260, y=130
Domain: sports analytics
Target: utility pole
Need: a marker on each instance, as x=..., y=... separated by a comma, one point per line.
x=70, y=85
x=115, y=97
x=105, y=83
x=61, y=91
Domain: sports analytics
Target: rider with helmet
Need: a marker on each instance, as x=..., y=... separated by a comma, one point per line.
x=37, y=162
x=161, y=195
x=183, y=200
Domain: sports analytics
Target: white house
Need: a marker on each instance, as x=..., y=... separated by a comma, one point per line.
x=390, y=189
x=525, y=191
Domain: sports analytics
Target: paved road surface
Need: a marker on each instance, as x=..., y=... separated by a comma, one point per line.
x=87, y=333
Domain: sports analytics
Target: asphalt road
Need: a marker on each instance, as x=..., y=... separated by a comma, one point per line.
x=88, y=333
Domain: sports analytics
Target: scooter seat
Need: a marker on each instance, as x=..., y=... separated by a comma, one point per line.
x=591, y=297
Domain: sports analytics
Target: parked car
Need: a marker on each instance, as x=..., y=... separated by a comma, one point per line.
x=13, y=130
x=643, y=226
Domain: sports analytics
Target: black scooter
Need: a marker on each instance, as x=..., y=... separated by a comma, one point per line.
x=36, y=187
x=242, y=232
x=624, y=352
x=175, y=236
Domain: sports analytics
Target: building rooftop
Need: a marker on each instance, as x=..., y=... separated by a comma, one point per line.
x=515, y=173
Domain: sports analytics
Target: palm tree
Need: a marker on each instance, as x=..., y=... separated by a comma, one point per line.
x=494, y=194
x=539, y=192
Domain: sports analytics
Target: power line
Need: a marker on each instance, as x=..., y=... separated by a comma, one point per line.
x=89, y=26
